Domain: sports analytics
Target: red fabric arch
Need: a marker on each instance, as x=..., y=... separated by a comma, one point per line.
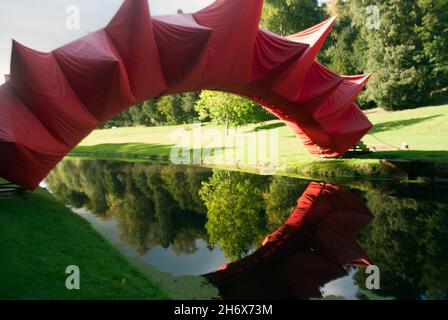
x=51, y=101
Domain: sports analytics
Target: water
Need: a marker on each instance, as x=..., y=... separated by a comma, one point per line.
x=266, y=236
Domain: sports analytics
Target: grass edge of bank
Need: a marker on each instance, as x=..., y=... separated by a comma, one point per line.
x=41, y=238
x=370, y=169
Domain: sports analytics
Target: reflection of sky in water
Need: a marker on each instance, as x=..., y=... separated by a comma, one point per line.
x=166, y=260
x=200, y=262
x=342, y=287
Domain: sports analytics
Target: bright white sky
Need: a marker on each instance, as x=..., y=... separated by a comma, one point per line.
x=41, y=24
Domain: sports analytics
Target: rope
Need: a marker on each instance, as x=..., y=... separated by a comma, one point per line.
x=383, y=142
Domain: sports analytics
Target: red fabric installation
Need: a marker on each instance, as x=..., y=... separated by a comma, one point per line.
x=310, y=250
x=53, y=100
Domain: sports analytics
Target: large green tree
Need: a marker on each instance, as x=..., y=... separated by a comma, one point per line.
x=344, y=50
x=395, y=54
x=434, y=31
x=229, y=109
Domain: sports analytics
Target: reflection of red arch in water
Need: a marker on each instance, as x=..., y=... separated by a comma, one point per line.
x=307, y=252
x=53, y=100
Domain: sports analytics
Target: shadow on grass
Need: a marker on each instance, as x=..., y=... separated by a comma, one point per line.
x=270, y=126
x=139, y=150
x=409, y=155
x=126, y=149
x=394, y=125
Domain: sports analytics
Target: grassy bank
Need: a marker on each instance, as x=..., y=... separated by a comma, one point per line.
x=423, y=129
x=40, y=237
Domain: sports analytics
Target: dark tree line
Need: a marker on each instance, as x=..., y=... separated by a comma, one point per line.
x=166, y=110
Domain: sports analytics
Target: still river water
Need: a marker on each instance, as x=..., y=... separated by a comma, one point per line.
x=270, y=237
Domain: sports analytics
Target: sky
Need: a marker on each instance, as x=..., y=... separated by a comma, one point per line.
x=41, y=25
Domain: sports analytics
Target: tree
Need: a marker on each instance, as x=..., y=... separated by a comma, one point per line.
x=188, y=101
x=235, y=218
x=168, y=110
x=341, y=55
x=407, y=241
x=282, y=199
x=395, y=54
x=229, y=109
x=291, y=16
x=433, y=31
x=169, y=106
x=146, y=114
x=143, y=199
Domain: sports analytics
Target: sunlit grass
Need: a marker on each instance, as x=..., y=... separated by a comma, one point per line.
x=423, y=129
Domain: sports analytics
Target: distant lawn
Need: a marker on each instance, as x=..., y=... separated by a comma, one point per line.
x=40, y=237
x=423, y=129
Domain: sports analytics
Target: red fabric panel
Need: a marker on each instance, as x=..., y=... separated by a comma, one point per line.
x=345, y=136
x=132, y=34
x=317, y=140
x=27, y=150
x=273, y=52
x=229, y=54
x=340, y=100
x=318, y=84
x=190, y=42
x=315, y=37
x=52, y=101
x=96, y=72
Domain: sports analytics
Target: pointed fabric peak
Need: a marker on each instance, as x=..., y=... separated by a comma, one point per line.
x=190, y=40
x=235, y=27
x=53, y=101
x=319, y=83
x=272, y=52
x=19, y=55
x=315, y=37
x=132, y=33
x=97, y=72
x=341, y=99
x=312, y=35
x=28, y=151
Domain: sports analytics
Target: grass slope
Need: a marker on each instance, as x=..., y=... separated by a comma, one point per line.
x=40, y=237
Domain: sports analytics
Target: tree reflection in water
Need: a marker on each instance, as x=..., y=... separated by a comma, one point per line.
x=169, y=206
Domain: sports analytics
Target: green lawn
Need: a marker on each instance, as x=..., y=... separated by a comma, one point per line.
x=40, y=237
x=423, y=129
